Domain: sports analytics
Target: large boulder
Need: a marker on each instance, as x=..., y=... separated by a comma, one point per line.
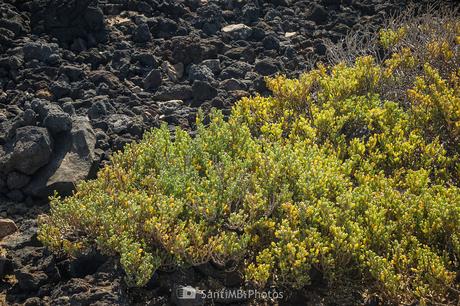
x=52, y=116
x=30, y=150
x=73, y=160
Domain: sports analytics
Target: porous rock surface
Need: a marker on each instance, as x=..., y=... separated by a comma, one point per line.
x=81, y=78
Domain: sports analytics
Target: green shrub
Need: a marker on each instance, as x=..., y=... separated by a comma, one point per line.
x=325, y=175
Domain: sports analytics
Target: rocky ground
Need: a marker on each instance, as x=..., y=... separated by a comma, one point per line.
x=81, y=78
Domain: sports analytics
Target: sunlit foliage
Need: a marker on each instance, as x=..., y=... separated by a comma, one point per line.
x=324, y=175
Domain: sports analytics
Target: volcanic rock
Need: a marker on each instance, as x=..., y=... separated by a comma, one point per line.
x=142, y=34
x=153, y=80
x=7, y=227
x=237, y=31
x=16, y=180
x=44, y=52
x=30, y=150
x=174, y=72
x=213, y=64
x=271, y=43
x=266, y=67
x=318, y=14
x=15, y=195
x=130, y=65
x=202, y=91
x=52, y=116
x=69, y=19
x=232, y=85
x=200, y=73
x=29, y=281
x=176, y=92
x=73, y=160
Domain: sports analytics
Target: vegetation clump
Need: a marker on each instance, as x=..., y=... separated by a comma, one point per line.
x=352, y=171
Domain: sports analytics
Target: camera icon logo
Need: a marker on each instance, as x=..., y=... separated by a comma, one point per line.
x=186, y=293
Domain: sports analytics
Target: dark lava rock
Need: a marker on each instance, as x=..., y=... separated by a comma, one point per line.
x=202, y=91
x=58, y=121
x=74, y=73
x=100, y=107
x=163, y=27
x=232, y=85
x=44, y=52
x=176, y=92
x=86, y=264
x=192, y=49
x=60, y=89
x=153, y=80
x=237, y=70
x=211, y=18
x=320, y=47
x=250, y=13
x=271, y=43
x=12, y=20
x=28, y=281
x=52, y=116
x=145, y=59
x=318, y=14
x=200, y=73
x=68, y=108
x=213, y=64
x=142, y=34
x=30, y=150
x=15, y=195
x=16, y=180
x=68, y=20
x=266, y=67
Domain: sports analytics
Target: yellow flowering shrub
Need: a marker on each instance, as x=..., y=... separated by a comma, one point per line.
x=325, y=175
x=391, y=37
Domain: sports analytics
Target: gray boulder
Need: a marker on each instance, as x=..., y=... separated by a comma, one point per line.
x=30, y=150
x=58, y=121
x=52, y=116
x=73, y=160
